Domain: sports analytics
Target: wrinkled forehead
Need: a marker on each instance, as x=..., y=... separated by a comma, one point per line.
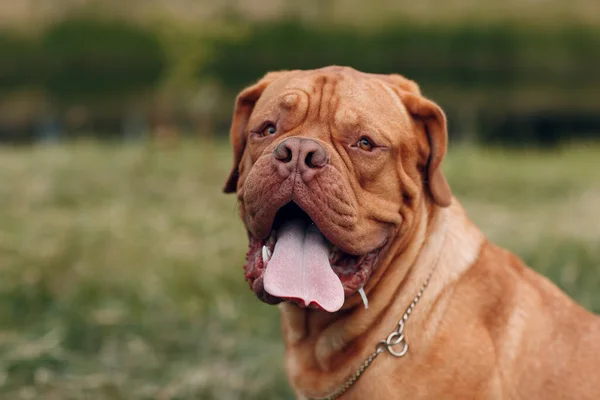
x=340, y=95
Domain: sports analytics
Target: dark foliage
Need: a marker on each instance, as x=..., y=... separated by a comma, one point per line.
x=90, y=58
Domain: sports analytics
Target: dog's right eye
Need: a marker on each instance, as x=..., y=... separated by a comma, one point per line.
x=268, y=130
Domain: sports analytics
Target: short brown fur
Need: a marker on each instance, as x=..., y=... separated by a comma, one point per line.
x=487, y=327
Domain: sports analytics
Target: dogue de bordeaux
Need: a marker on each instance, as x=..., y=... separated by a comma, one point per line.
x=387, y=290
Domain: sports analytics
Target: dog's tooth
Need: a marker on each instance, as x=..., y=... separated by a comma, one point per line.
x=332, y=252
x=272, y=239
x=363, y=296
x=269, y=253
x=265, y=254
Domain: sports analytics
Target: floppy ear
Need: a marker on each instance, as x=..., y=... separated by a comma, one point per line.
x=403, y=83
x=434, y=121
x=244, y=104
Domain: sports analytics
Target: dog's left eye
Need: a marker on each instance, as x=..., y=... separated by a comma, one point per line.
x=364, y=144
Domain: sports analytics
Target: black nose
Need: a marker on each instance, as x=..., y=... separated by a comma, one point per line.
x=299, y=153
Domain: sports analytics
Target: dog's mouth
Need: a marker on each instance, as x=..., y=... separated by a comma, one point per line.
x=297, y=263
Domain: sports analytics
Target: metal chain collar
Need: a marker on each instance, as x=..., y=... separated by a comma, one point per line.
x=395, y=338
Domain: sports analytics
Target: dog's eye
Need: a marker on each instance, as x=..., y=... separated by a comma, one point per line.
x=364, y=144
x=269, y=129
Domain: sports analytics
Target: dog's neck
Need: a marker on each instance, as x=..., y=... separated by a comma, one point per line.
x=337, y=343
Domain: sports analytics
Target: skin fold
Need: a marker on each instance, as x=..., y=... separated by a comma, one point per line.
x=487, y=326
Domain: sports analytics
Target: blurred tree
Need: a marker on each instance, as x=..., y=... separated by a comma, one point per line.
x=90, y=58
x=110, y=66
x=18, y=60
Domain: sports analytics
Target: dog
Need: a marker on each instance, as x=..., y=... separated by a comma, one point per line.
x=387, y=290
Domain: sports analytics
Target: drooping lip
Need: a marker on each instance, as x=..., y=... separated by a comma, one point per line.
x=352, y=270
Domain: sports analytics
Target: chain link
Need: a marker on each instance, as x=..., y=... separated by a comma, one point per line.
x=396, y=337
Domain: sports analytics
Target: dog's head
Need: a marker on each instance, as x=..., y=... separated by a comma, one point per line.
x=330, y=165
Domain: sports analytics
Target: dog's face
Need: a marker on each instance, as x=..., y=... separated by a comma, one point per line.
x=331, y=165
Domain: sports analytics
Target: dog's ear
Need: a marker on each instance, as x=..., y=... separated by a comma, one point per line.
x=244, y=104
x=403, y=83
x=434, y=121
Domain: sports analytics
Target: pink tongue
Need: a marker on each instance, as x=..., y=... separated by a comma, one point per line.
x=299, y=268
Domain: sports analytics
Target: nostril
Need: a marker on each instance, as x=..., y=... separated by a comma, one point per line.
x=316, y=159
x=283, y=153
x=308, y=160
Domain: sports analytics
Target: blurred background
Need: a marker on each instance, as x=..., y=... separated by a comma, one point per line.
x=121, y=260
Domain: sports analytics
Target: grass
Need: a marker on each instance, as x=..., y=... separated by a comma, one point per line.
x=120, y=267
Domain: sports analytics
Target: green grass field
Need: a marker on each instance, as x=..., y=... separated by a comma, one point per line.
x=121, y=266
